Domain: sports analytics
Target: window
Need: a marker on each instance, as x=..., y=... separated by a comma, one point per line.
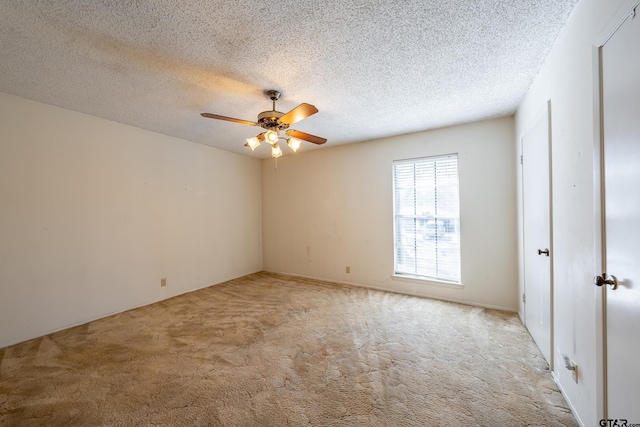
x=427, y=218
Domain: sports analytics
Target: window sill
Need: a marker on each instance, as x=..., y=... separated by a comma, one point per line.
x=426, y=281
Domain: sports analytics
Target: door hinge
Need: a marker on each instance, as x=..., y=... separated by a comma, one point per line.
x=524, y=298
x=521, y=159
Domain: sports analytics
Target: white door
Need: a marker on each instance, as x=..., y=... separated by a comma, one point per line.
x=621, y=245
x=537, y=236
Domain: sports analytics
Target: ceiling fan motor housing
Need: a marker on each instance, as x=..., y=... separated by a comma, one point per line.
x=269, y=120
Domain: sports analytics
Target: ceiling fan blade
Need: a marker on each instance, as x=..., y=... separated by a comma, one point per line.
x=302, y=111
x=229, y=119
x=305, y=136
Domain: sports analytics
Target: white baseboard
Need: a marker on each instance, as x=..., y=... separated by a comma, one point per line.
x=396, y=291
x=117, y=311
x=566, y=398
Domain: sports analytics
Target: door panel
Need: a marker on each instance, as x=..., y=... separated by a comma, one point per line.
x=621, y=151
x=537, y=263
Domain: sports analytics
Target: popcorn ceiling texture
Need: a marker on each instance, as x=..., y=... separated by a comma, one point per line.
x=373, y=68
x=274, y=350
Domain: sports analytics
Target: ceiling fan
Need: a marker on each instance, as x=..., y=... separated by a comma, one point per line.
x=274, y=122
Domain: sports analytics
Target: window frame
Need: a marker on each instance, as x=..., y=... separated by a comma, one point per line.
x=415, y=277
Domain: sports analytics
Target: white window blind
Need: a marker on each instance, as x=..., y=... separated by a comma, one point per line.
x=427, y=218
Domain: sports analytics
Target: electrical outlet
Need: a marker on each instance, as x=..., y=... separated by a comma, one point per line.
x=348, y=269
x=163, y=281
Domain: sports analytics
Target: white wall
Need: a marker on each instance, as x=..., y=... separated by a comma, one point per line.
x=327, y=209
x=93, y=213
x=568, y=78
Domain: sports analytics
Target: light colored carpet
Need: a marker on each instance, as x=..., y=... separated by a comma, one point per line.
x=274, y=350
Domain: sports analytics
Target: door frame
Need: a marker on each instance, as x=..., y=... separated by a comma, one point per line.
x=599, y=260
x=544, y=112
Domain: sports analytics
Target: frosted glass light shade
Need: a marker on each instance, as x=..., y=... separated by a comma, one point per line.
x=271, y=136
x=253, y=142
x=294, y=144
x=276, y=151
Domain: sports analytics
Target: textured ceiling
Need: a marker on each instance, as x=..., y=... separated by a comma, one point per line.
x=373, y=68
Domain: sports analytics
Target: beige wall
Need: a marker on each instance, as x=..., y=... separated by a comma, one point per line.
x=569, y=79
x=327, y=209
x=93, y=213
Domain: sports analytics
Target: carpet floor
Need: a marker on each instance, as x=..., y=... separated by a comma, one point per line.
x=275, y=350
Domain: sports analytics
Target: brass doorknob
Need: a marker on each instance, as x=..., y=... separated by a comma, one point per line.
x=605, y=279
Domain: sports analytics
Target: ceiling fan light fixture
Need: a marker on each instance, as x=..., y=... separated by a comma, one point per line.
x=276, y=151
x=294, y=144
x=271, y=136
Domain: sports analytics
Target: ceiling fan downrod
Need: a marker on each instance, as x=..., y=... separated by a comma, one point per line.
x=273, y=95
